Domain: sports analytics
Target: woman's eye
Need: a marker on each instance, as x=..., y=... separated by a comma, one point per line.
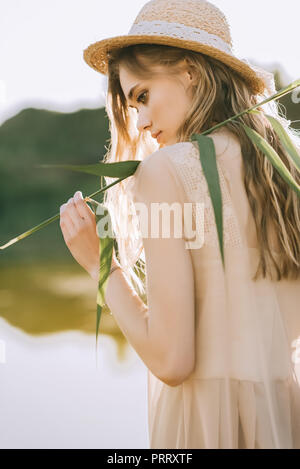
x=140, y=96
x=140, y=99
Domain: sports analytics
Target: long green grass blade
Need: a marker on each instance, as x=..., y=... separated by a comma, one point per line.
x=121, y=169
x=275, y=96
x=50, y=220
x=285, y=140
x=29, y=232
x=106, y=244
x=209, y=164
x=273, y=157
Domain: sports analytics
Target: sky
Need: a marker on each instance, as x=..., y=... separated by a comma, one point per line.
x=42, y=43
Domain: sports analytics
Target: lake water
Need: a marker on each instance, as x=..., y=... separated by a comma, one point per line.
x=53, y=391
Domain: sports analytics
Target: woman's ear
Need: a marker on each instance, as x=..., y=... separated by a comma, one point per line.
x=192, y=76
x=189, y=76
x=190, y=81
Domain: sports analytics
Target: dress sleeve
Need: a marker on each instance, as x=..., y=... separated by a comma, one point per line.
x=169, y=269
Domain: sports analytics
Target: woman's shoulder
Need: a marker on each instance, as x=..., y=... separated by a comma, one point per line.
x=159, y=171
x=159, y=160
x=169, y=150
x=177, y=152
x=226, y=144
x=186, y=155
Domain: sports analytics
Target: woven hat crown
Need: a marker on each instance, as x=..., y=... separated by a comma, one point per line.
x=195, y=25
x=197, y=14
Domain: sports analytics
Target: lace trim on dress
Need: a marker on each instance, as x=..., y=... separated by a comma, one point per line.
x=185, y=156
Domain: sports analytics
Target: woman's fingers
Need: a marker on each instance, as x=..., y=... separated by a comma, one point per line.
x=79, y=232
x=73, y=214
x=83, y=209
x=76, y=214
x=66, y=223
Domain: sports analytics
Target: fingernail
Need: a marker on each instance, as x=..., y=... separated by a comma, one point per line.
x=62, y=208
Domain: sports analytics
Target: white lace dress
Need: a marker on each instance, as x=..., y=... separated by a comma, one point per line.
x=244, y=391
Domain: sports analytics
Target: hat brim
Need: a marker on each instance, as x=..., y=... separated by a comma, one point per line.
x=95, y=55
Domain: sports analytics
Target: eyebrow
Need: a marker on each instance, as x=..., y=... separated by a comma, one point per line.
x=130, y=94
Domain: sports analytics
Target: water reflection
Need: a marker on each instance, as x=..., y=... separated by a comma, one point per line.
x=53, y=394
x=41, y=299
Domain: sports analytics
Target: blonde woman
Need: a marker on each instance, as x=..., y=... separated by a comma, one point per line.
x=221, y=346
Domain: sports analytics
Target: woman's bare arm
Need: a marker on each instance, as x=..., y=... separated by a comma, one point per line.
x=162, y=332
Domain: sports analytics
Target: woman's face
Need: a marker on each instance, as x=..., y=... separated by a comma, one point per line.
x=161, y=102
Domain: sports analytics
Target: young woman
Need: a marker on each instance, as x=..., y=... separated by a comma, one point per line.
x=220, y=345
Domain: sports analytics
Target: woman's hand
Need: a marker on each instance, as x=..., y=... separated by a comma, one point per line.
x=78, y=225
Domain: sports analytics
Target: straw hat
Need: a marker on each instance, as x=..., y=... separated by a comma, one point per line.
x=197, y=25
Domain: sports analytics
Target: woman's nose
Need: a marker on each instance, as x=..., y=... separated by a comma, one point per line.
x=143, y=124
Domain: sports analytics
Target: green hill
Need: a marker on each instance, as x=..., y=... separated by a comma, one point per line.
x=29, y=195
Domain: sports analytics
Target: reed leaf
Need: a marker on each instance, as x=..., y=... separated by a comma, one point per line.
x=208, y=160
x=273, y=157
x=286, y=141
x=50, y=220
x=106, y=245
x=278, y=95
x=121, y=169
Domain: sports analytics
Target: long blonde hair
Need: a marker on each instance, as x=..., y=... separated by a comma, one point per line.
x=219, y=94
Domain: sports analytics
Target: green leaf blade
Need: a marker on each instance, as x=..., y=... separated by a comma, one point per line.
x=285, y=140
x=273, y=157
x=209, y=165
x=106, y=244
x=121, y=169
